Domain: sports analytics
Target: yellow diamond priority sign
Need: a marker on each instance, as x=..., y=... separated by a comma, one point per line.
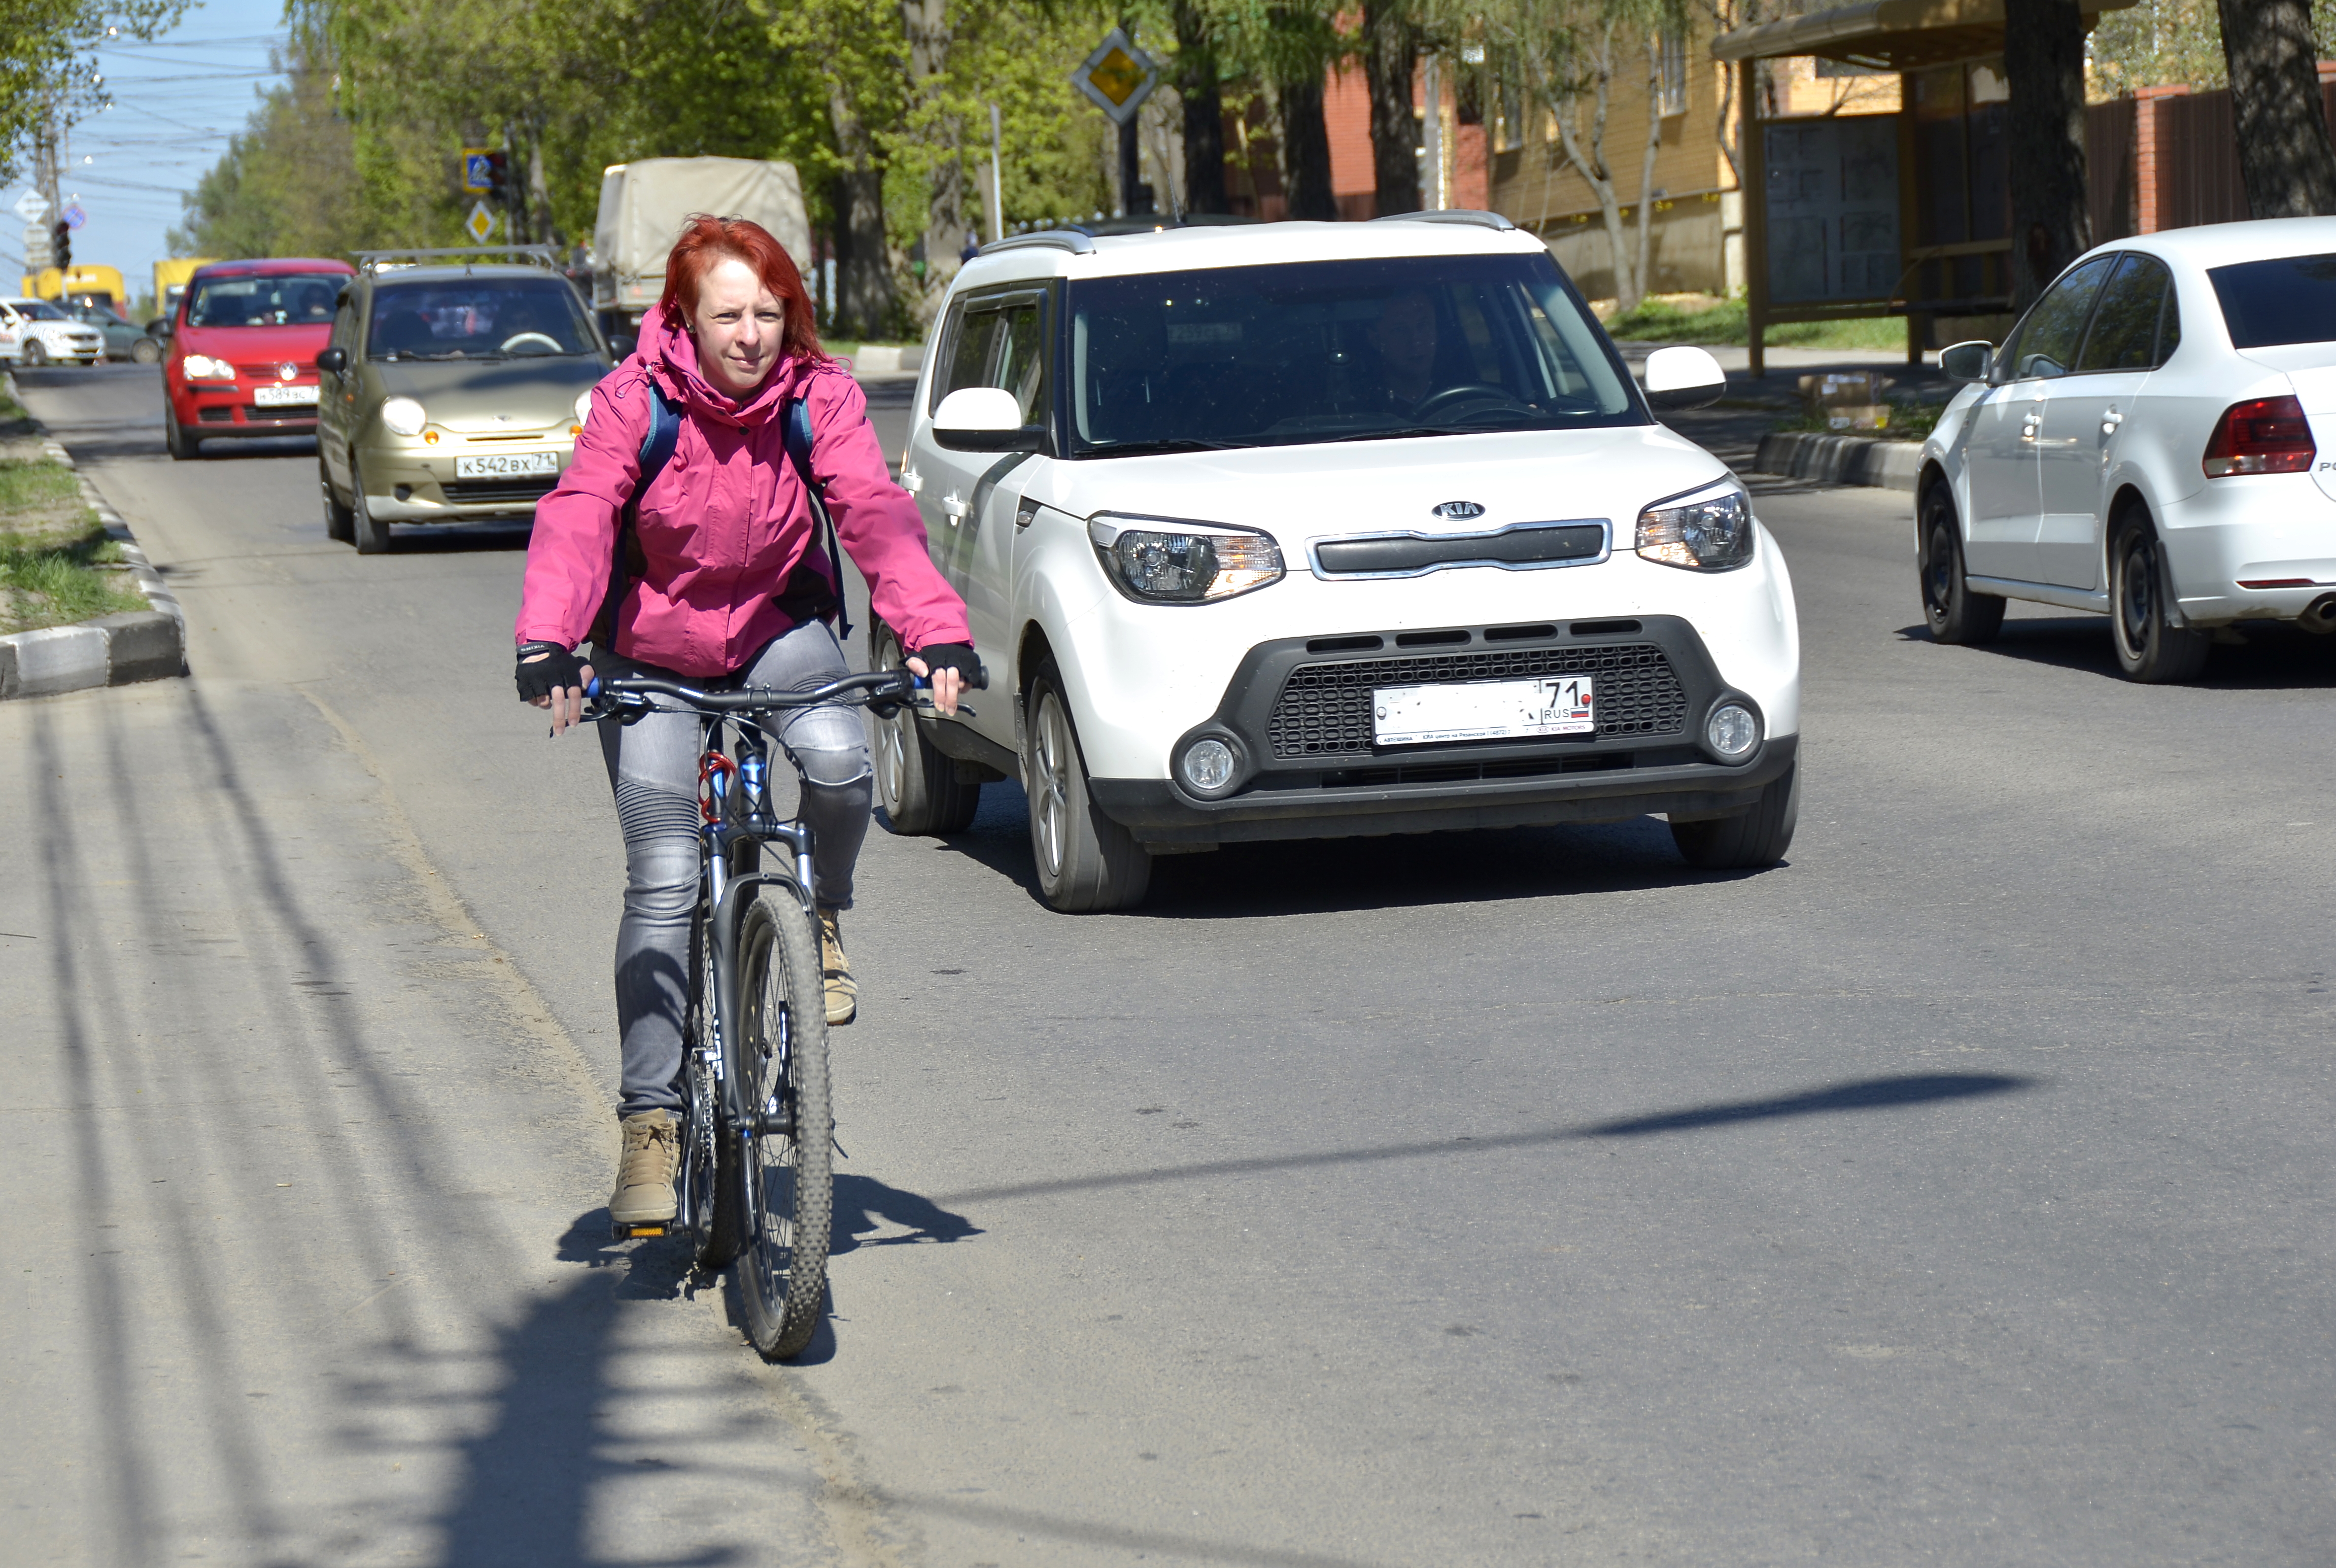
x=481, y=223
x=1117, y=77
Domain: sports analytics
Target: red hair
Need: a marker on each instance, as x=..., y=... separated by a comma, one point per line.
x=706, y=240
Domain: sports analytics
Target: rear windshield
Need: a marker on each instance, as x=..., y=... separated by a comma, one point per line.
x=477, y=318
x=281, y=299
x=2290, y=300
x=1335, y=351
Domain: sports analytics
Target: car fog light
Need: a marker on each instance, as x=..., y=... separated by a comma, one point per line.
x=1732, y=730
x=1208, y=765
x=403, y=417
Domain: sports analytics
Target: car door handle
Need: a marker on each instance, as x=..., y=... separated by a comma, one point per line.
x=911, y=481
x=2110, y=420
x=955, y=506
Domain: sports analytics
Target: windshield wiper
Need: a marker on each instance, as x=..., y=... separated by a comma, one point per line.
x=1155, y=448
x=1400, y=431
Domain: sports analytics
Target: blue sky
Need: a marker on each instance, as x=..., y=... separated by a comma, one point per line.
x=176, y=102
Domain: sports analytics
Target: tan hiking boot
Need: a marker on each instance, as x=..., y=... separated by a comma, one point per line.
x=644, y=1171
x=835, y=969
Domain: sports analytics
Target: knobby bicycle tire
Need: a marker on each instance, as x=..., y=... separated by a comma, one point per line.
x=712, y=1155
x=785, y=1191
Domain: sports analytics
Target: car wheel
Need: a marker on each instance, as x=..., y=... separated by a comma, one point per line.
x=1086, y=862
x=371, y=535
x=917, y=784
x=182, y=442
x=146, y=351
x=1750, y=839
x=2147, y=648
x=340, y=522
x=1955, y=614
x=35, y=354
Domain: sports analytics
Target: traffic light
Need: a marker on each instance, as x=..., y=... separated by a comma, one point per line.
x=61, y=247
x=498, y=180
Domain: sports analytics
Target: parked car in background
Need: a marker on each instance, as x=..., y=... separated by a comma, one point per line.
x=34, y=333
x=1315, y=530
x=241, y=360
x=453, y=393
x=2155, y=441
x=123, y=340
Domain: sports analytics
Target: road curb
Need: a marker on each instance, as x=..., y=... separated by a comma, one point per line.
x=1840, y=458
x=113, y=649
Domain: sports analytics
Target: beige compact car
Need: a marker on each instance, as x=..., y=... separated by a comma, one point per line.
x=452, y=393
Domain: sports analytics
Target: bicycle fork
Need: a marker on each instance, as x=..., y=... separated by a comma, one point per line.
x=751, y=817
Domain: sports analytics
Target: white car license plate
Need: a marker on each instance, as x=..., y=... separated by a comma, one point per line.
x=283, y=396
x=1483, y=710
x=506, y=465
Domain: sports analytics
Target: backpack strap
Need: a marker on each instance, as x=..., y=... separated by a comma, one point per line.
x=798, y=439
x=626, y=564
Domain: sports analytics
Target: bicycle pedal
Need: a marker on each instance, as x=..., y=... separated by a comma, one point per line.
x=634, y=1232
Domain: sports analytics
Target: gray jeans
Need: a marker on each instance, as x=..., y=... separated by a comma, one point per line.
x=653, y=768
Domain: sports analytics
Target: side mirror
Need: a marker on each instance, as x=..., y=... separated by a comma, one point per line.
x=1679, y=378
x=158, y=328
x=333, y=359
x=1966, y=362
x=985, y=419
x=622, y=344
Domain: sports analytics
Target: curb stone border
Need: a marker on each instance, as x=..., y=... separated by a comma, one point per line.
x=1840, y=458
x=113, y=649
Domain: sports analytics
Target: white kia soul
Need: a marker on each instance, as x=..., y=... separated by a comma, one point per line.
x=1311, y=530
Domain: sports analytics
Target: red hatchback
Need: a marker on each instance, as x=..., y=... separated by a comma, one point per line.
x=244, y=342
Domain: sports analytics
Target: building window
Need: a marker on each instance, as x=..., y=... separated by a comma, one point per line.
x=1670, y=72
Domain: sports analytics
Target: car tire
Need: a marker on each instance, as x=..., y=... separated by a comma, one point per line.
x=340, y=522
x=369, y=533
x=1953, y=612
x=2148, y=650
x=34, y=354
x=1748, y=839
x=916, y=782
x=182, y=443
x=1087, y=863
x=146, y=351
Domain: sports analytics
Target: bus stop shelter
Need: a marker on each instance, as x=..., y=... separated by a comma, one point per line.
x=1850, y=217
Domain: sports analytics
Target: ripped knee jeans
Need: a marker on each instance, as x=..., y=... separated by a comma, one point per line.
x=653, y=768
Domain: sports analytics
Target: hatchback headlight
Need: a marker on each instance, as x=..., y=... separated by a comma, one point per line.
x=403, y=417
x=203, y=367
x=1163, y=561
x=1707, y=530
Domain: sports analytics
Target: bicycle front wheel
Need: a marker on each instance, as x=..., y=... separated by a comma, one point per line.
x=785, y=1160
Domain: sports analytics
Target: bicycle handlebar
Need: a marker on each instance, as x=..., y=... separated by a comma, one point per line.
x=878, y=686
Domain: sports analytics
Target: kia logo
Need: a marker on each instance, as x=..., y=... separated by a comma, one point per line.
x=1458, y=511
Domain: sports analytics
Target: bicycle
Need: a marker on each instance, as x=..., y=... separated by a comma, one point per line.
x=757, y=1183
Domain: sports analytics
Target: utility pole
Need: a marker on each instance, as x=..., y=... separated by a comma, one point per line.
x=997, y=183
x=1431, y=171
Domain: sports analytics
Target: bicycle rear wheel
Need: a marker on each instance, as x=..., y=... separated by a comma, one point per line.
x=785, y=1192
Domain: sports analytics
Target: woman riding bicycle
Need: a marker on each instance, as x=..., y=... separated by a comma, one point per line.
x=722, y=583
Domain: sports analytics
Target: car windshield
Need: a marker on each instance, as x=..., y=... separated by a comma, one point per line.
x=477, y=318
x=39, y=310
x=276, y=299
x=2290, y=299
x=1335, y=351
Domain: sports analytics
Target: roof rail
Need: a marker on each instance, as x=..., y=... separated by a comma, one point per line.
x=1076, y=240
x=544, y=255
x=1449, y=215
x=1080, y=238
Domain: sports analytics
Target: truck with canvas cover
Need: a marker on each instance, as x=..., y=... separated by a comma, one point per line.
x=644, y=204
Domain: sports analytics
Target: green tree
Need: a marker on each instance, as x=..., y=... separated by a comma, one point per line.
x=48, y=70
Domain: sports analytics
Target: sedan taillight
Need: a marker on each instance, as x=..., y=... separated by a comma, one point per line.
x=2261, y=435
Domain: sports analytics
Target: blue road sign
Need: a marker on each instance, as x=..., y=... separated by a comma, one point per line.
x=478, y=174
x=74, y=216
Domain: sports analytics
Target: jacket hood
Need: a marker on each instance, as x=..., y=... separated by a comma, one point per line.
x=671, y=356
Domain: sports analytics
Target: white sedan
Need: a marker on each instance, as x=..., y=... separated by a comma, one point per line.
x=2155, y=440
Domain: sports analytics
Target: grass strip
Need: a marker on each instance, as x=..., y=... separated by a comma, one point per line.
x=1726, y=322
x=54, y=553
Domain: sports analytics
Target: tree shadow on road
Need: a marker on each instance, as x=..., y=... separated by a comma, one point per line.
x=2276, y=657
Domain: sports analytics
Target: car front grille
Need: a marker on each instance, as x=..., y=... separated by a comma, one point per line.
x=303, y=413
x=486, y=491
x=1325, y=709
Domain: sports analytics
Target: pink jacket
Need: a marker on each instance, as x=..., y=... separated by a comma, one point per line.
x=726, y=521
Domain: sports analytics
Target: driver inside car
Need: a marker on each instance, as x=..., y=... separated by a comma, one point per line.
x=1405, y=338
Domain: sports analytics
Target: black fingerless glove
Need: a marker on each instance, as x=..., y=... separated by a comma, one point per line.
x=954, y=655
x=539, y=677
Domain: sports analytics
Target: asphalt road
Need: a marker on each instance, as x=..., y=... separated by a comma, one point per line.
x=1958, y=1193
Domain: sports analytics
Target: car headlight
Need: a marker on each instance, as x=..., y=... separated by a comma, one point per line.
x=584, y=406
x=203, y=367
x=1171, y=563
x=403, y=417
x=1707, y=530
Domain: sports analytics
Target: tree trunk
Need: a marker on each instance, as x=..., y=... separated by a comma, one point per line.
x=926, y=24
x=2044, y=69
x=1204, y=111
x=1588, y=157
x=1642, y=269
x=2284, y=154
x=1305, y=149
x=1391, y=61
x=864, y=303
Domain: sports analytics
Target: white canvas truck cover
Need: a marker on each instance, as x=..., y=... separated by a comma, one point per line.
x=643, y=204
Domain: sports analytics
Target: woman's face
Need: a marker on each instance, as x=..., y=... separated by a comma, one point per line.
x=738, y=326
